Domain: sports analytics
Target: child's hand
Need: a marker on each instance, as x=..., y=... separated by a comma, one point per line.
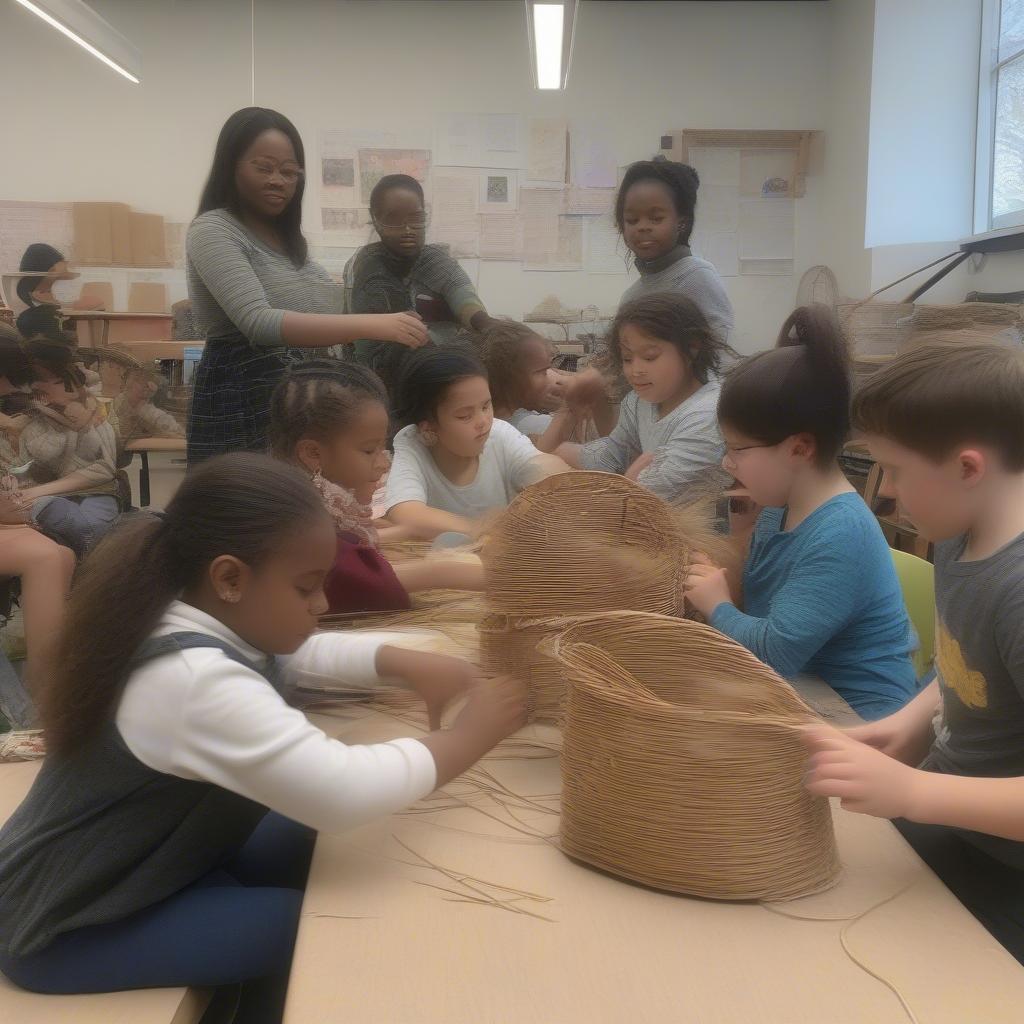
x=585, y=390
x=705, y=586
x=639, y=465
x=437, y=678
x=496, y=708
x=893, y=737
x=866, y=780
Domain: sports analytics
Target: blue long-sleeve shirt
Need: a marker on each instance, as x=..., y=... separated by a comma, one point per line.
x=823, y=599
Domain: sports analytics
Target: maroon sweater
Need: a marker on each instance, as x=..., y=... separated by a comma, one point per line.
x=362, y=580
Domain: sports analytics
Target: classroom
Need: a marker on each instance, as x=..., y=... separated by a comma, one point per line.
x=512, y=511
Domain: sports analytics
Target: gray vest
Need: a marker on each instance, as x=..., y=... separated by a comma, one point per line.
x=101, y=835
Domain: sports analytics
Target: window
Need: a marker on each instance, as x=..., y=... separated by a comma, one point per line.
x=999, y=199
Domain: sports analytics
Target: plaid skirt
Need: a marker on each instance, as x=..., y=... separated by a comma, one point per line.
x=230, y=407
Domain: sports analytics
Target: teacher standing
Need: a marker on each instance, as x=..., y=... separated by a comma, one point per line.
x=255, y=293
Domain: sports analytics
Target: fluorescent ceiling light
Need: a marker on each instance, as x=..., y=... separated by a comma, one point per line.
x=80, y=23
x=550, y=28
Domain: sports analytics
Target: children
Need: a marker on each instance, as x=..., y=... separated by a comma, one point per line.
x=70, y=450
x=654, y=212
x=946, y=424
x=667, y=437
x=453, y=460
x=523, y=382
x=144, y=855
x=136, y=414
x=331, y=419
x=401, y=273
x=820, y=590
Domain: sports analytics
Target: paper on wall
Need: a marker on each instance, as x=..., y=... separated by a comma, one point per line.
x=577, y=200
x=546, y=150
x=606, y=252
x=550, y=241
x=346, y=226
x=338, y=171
x=454, y=219
x=592, y=162
x=501, y=236
x=478, y=140
x=766, y=229
x=718, y=208
x=374, y=164
x=499, y=190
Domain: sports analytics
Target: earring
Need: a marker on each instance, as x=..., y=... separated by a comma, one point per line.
x=231, y=596
x=428, y=437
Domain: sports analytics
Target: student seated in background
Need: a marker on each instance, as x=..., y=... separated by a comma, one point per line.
x=402, y=273
x=526, y=389
x=330, y=418
x=68, y=448
x=667, y=437
x=454, y=462
x=40, y=258
x=946, y=424
x=820, y=591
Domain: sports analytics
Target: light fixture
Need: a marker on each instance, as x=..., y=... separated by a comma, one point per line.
x=550, y=28
x=80, y=23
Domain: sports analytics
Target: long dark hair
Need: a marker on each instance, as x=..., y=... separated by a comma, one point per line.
x=239, y=504
x=681, y=180
x=671, y=317
x=220, y=192
x=426, y=377
x=802, y=386
x=318, y=398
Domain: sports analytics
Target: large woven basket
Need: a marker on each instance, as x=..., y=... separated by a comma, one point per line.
x=570, y=546
x=682, y=766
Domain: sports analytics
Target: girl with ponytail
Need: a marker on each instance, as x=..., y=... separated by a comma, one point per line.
x=144, y=855
x=821, y=596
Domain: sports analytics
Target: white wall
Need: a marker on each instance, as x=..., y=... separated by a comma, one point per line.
x=643, y=68
x=847, y=87
x=924, y=100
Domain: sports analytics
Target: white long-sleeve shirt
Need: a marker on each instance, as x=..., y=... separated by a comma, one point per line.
x=197, y=714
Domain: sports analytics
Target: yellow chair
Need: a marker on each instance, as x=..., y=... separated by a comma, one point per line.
x=917, y=581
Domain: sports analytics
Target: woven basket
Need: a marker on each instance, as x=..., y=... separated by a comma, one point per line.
x=682, y=767
x=570, y=546
x=584, y=542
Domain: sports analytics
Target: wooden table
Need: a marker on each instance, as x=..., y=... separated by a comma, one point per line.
x=378, y=945
x=142, y=446
x=144, y=326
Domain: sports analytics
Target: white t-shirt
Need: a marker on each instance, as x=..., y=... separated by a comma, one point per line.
x=200, y=715
x=531, y=423
x=501, y=475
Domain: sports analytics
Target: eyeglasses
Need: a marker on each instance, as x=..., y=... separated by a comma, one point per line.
x=419, y=222
x=289, y=175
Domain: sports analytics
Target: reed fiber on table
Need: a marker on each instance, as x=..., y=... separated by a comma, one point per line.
x=572, y=545
x=682, y=766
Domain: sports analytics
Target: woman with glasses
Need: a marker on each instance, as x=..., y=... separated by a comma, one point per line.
x=256, y=295
x=402, y=273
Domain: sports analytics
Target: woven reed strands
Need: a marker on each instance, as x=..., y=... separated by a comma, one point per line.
x=572, y=545
x=584, y=542
x=682, y=766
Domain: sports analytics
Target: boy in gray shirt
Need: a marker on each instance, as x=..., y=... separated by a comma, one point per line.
x=946, y=423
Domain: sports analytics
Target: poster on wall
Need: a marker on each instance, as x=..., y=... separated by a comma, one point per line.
x=499, y=191
x=374, y=164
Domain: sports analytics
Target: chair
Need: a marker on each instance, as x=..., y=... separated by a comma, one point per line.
x=917, y=581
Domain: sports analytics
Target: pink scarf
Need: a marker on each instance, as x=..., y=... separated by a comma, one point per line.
x=349, y=515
